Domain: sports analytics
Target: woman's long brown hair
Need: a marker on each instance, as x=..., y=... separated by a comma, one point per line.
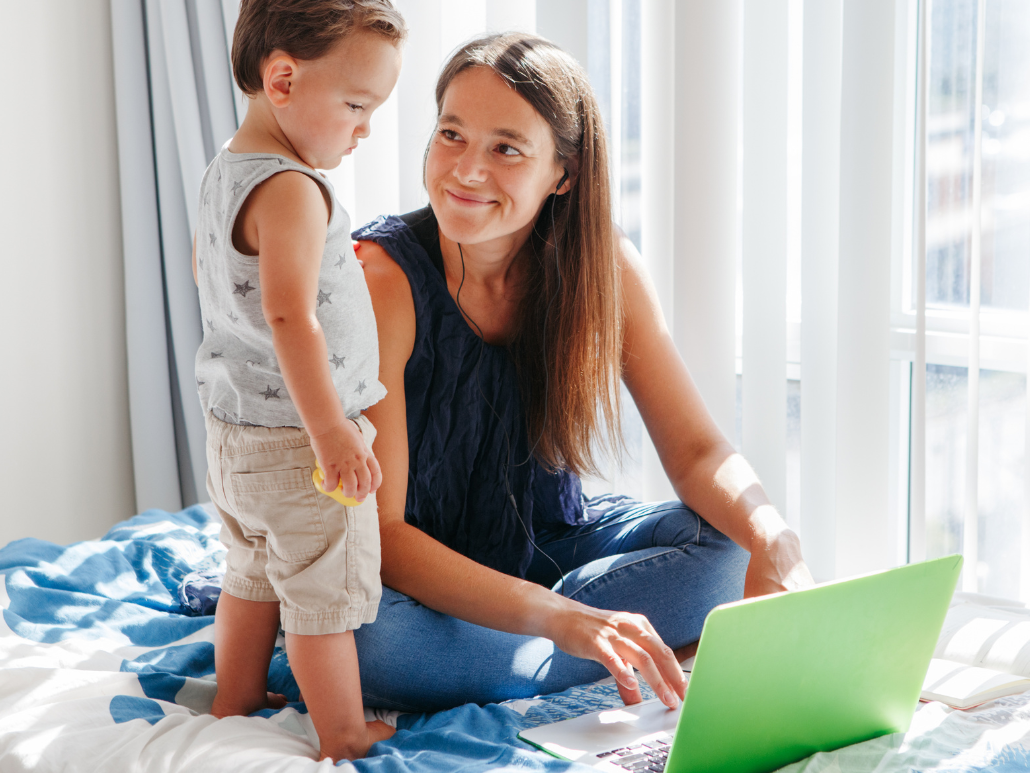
x=567, y=345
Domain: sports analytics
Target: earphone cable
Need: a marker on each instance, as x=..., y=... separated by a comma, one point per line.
x=504, y=429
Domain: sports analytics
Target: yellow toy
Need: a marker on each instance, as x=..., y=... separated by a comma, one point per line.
x=318, y=478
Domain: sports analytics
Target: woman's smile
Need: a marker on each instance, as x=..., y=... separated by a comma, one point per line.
x=464, y=198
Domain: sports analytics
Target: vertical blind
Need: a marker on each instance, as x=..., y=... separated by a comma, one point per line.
x=964, y=290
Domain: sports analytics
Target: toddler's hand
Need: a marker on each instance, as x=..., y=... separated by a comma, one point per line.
x=347, y=461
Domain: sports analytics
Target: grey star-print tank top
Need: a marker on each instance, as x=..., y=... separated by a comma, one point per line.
x=238, y=375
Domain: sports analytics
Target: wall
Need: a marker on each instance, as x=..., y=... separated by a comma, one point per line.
x=65, y=461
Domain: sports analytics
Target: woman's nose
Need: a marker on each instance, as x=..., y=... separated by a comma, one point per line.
x=470, y=168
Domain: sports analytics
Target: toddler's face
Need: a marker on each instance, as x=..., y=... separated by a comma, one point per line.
x=332, y=98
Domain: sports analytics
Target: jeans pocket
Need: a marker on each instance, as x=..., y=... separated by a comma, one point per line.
x=282, y=506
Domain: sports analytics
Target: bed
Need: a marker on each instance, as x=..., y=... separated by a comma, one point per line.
x=107, y=664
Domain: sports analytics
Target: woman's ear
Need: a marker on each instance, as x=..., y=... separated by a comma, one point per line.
x=561, y=182
x=568, y=178
x=278, y=78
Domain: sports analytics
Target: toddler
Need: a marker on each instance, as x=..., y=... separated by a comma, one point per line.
x=290, y=360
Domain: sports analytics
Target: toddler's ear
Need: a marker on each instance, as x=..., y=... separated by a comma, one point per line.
x=278, y=79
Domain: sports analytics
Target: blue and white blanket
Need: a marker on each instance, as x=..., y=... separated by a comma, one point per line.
x=107, y=664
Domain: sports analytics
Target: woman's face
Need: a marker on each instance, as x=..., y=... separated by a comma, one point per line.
x=491, y=164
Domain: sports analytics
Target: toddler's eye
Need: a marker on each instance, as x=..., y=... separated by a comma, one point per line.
x=355, y=108
x=508, y=150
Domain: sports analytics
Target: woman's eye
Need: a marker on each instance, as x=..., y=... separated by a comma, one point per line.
x=508, y=150
x=450, y=134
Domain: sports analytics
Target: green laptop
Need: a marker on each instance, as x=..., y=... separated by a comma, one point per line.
x=781, y=677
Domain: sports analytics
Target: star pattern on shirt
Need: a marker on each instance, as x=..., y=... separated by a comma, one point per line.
x=323, y=297
x=216, y=355
x=200, y=262
x=211, y=238
x=337, y=361
x=281, y=162
x=232, y=318
x=236, y=186
x=207, y=198
x=341, y=261
x=269, y=392
x=200, y=383
x=219, y=176
x=211, y=325
x=243, y=289
x=360, y=387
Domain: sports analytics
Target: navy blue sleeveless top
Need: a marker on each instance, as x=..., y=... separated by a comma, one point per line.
x=468, y=456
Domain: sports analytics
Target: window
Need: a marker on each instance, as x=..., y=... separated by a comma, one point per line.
x=975, y=320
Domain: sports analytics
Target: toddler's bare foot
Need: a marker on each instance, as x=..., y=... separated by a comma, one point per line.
x=376, y=731
x=225, y=707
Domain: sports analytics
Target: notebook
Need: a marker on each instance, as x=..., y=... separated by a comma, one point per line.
x=983, y=652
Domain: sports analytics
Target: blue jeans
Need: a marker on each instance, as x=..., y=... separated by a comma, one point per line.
x=661, y=560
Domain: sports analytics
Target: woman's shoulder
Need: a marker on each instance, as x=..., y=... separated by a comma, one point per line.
x=407, y=240
x=392, y=301
x=639, y=296
x=381, y=269
x=386, y=280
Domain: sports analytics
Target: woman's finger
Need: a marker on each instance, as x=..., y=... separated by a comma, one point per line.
x=625, y=680
x=641, y=659
x=664, y=658
x=629, y=697
x=618, y=667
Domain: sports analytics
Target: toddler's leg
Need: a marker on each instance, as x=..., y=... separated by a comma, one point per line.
x=326, y=670
x=245, y=634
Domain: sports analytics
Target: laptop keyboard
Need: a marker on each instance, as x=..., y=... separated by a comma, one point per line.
x=648, y=756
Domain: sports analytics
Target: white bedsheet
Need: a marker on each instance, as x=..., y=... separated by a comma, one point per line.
x=103, y=670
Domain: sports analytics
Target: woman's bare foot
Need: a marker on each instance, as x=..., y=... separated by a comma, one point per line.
x=226, y=708
x=276, y=701
x=379, y=731
x=376, y=731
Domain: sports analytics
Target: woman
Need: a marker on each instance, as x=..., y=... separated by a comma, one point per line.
x=507, y=312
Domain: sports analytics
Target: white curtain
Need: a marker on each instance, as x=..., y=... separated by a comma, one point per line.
x=882, y=318
x=769, y=189
x=176, y=107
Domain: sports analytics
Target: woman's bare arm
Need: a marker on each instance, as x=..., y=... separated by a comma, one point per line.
x=423, y=568
x=708, y=474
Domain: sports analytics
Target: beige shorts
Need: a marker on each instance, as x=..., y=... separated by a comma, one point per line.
x=286, y=541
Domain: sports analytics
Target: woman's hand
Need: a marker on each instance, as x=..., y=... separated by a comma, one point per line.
x=621, y=641
x=776, y=564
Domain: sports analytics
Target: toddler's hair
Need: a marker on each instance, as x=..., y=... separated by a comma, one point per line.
x=304, y=29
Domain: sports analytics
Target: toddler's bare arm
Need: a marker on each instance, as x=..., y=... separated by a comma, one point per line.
x=284, y=221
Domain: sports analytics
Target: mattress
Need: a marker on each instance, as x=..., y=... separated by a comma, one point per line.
x=107, y=664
